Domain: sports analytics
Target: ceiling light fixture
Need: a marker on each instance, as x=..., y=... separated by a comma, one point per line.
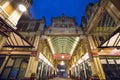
x=62, y=57
x=22, y=8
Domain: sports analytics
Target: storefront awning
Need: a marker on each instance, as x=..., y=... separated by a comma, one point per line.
x=14, y=39
x=113, y=40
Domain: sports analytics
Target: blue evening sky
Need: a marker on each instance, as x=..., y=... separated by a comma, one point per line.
x=55, y=8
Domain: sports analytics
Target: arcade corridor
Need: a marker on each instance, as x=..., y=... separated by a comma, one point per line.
x=32, y=50
x=57, y=78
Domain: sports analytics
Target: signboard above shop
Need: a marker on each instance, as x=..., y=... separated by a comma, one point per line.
x=114, y=52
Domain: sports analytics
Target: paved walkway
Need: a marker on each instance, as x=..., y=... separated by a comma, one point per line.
x=58, y=78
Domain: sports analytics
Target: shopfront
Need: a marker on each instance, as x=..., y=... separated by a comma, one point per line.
x=85, y=70
x=82, y=70
x=44, y=68
x=111, y=67
x=15, y=67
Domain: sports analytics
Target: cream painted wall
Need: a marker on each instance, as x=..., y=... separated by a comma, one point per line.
x=32, y=66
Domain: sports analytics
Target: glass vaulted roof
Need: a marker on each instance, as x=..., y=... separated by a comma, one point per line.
x=63, y=44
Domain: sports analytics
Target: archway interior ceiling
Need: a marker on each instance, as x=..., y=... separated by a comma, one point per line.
x=62, y=46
